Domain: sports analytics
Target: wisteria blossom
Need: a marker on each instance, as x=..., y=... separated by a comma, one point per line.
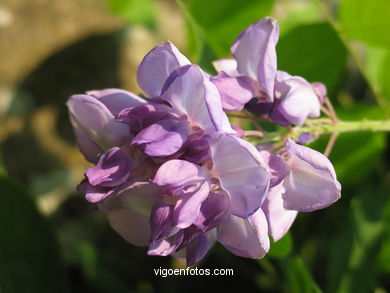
x=171, y=173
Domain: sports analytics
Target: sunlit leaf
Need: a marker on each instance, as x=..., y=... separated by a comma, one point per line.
x=135, y=11
x=313, y=51
x=223, y=21
x=366, y=21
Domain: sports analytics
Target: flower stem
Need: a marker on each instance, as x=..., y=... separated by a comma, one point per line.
x=319, y=127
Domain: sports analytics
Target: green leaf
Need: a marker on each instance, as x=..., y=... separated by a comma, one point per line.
x=223, y=21
x=135, y=11
x=281, y=248
x=299, y=277
x=356, y=154
x=29, y=256
x=366, y=21
x=198, y=46
x=356, y=247
x=313, y=51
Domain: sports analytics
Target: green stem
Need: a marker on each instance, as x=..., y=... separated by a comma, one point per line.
x=321, y=128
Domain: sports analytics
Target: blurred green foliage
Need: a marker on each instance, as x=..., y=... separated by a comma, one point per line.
x=345, y=248
x=29, y=254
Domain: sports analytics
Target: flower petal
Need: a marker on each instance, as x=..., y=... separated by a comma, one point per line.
x=235, y=91
x=157, y=65
x=244, y=175
x=311, y=183
x=95, y=120
x=228, y=66
x=254, y=50
x=192, y=94
x=112, y=169
x=298, y=102
x=163, y=138
x=279, y=219
x=178, y=173
x=128, y=219
x=117, y=99
x=188, y=206
x=245, y=237
x=199, y=247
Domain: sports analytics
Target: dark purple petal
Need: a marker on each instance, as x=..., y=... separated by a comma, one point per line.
x=279, y=219
x=245, y=237
x=277, y=167
x=235, y=91
x=196, y=151
x=157, y=65
x=254, y=50
x=311, y=183
x=199, y=247
x=161, y=220
x=259, y=108
x=94, y=194
x=242, y=173
x=163, y=138
x=112, y=169
x=213, y=211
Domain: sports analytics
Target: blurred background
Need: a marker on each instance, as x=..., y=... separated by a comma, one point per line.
x=51, y=240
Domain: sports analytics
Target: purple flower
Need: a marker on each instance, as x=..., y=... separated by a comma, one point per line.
x=94, y=121
x=309, y=184
x=252, y=73
x=172, y=174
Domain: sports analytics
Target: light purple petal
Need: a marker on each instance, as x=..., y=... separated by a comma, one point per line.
x=298, y=102
x=117, y=99
x=178, y=173
x=228, y=66
x=157, y=65
x=245, y=237
x=95, y=120
x=320, y=90
x=87, y=147
x=166, y=246
x=242, y=172
x=188, y=206
x=254, y=50
x=235, y=91
x=279, y=219
x=193, y=95
x=112, y=169
x=163, y=138
x=128, y=212
x=311, y=183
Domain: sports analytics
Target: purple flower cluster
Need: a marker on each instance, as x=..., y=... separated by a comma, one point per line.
x=170, y=171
